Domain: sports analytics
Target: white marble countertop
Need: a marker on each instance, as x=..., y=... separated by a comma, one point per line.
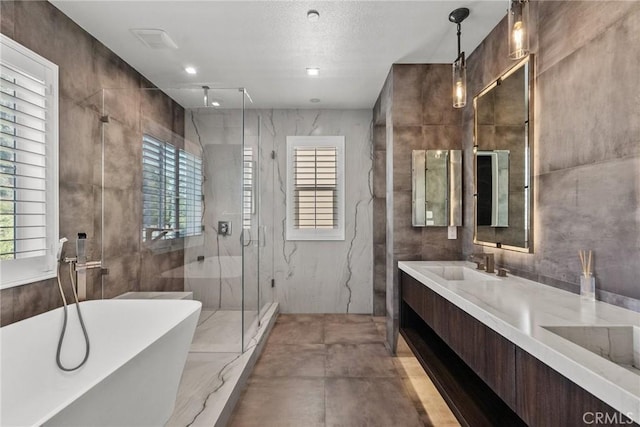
x=518, y=309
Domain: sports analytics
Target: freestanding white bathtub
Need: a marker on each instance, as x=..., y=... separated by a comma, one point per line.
x=138, y=352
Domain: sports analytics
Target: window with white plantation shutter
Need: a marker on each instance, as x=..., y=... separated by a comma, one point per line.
x=190, y=194
x=171, y=191
x=28, y=165
x=315, y=188
x=248, y=207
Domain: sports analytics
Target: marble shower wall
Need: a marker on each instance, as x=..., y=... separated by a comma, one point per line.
x=85, y=67
x=217, y=281
x=309, y=276
x=413, y=112
x=586, y=148
x=320, y=276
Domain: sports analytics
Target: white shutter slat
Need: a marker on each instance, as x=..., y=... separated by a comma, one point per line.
x=190, y=194
x=248, y=208
x=315, y=177
x=23, y=167
x=21, y=99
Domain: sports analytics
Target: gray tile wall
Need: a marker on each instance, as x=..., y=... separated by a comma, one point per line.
x=85, y=67
x=414, y=112
x=586, y=148
x=586, y=152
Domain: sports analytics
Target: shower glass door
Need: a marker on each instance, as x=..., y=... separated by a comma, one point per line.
x=216, y=266
x=180, y=205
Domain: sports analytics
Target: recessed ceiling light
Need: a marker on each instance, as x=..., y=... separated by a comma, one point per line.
x=313, y=71
x=216, y=103
x=313, y=15
x=314, y=100
x=190, y=70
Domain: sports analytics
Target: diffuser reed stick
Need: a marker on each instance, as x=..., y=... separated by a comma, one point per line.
x=587, y=281
x=585, y=260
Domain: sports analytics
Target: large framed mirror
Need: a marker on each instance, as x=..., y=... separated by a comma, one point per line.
x=502, y=135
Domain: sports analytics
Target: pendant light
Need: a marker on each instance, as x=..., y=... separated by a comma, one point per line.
x=459, y=65
x=518, y=28
x=206, y=95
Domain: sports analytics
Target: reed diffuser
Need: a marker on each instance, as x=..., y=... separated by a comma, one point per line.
x=587, y=281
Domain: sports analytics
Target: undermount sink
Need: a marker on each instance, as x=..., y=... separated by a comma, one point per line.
x=619, y=344
x=458, y=273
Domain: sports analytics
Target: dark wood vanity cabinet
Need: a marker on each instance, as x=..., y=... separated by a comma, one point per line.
x=547, y=398
x=485, y=378
x=486, y=352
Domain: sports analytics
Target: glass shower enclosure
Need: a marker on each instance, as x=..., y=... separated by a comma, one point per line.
x=181, y=204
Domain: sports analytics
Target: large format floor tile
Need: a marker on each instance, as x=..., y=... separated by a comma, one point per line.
x=369, y=402
x=292, y=360
x=334, y=370
x=281, y=402
x=347, y=318
x=300, y=318
x=359, y=360
x=297, y=333
x=351, y=332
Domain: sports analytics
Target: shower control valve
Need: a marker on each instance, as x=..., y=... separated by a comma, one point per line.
x=224, y=228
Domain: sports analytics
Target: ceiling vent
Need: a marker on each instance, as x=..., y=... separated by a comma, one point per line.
x=154, y=39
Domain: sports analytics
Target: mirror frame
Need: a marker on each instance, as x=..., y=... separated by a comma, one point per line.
x=529, y=63
x=420, y=183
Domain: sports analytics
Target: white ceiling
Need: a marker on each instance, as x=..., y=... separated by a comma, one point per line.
x=265, y=46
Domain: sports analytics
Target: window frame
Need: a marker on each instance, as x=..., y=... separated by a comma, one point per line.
x=319, y=234
x=21, y=271
x=177, y=232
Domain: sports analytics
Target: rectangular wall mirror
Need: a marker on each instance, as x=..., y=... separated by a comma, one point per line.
x=502, y=132
x=436, y=188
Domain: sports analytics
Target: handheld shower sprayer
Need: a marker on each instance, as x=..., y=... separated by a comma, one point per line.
x=61, y=248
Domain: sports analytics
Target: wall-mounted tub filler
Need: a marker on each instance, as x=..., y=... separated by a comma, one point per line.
x=69, y=261
x=79, y=266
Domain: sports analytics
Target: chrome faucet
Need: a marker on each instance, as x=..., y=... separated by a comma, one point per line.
x=488, y=261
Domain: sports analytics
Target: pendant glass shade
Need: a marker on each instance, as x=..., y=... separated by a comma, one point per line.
x=206, y=95
x=459, y=82
x=518, y=28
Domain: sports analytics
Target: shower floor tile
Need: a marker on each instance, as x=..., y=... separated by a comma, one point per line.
x=221, y=332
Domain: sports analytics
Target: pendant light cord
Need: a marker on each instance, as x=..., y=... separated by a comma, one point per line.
x=459, y=34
